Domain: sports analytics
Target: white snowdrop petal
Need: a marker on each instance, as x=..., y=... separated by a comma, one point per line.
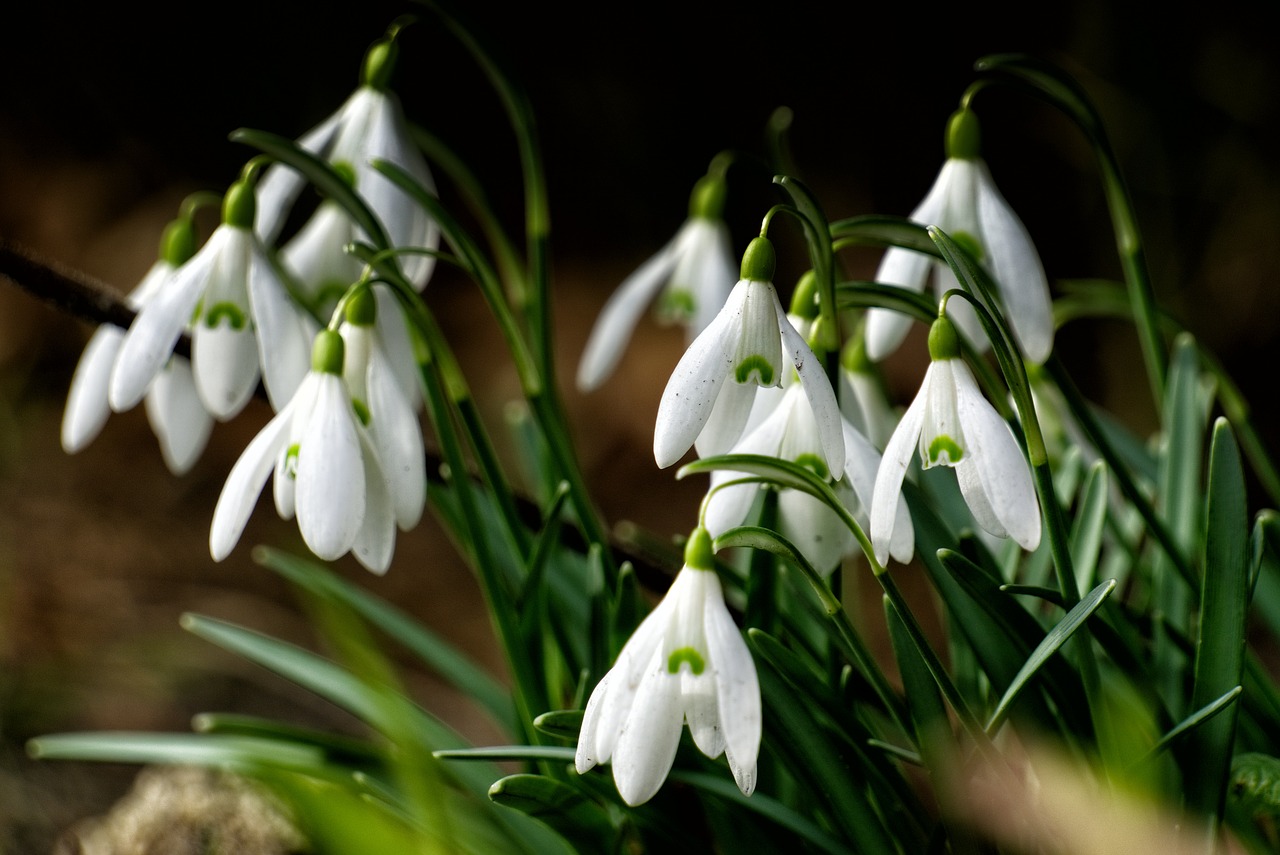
x=314, y=257
x=283, y=337
x=729, y=415
x=893, y=469
x=817, y=388
x=331, y=472
x=757, y=350
x=619, y=316
x=280, y=184
x=584, y=757
x=397, y=341
x=244, y=483
x=738, y=690
x=695, y=384
x=177, y=416
x=702, y=710
x=942, y=439
x=729, y=506
x=150, y=339
x=886, y=328
x=87, y=407
x=969, y=477
x=397, y=440
x=1015, y=264
x=712, y=271
x=861, y=467
x=375, y=543
x=1004, y=472
x=646, y=747
x=816, y=530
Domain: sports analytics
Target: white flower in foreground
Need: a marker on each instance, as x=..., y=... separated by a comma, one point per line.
x=369, y=126
x=693, y=273
x=176, y=415
x=741, y=351
x=686, y=662
x=951, y=424
x=326, y=471
x=245, y=324
x=965, y=203
x=790, y=433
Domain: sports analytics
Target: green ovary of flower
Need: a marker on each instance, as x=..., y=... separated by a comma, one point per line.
x=234, y=314
x=754, y=365
x=945, y=450
x=685, y=654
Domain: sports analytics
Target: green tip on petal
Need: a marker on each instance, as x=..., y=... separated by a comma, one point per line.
x=676, y=305
x=328, y=352
x=944, y=341
x=754, y=365
x=804, y=302
x=362, y=307
x=698, y=551
x=685, y=654
x=707, y=200
x=964, y=135
x=179, y=242
x=944, y=450
x=239, y=205
x=345, y=171
x=234, y=315
x=759, y=260
x=379, y=62
x=362, y=411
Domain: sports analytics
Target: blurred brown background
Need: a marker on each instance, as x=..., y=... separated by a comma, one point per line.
x=108, y=116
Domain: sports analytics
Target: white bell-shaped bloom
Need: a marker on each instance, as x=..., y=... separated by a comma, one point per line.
x=685, y=663
x=950, y=423
x=177, y=417
x=710, y=394
x=326, y=471
x=965, y=203
x=790, y=433
x=244, y=323
x=862, y=398
x=369, y=126
x=693, y=274
x=386, y=411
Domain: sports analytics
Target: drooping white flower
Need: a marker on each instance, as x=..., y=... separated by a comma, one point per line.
x=176, y=415
x=369, y=126
x=693, y=274
x=686, y=662
x=245, y=325
x=326, y=471
x=386, y=411
x=789, y=433
x=741, y=351
x=862, y=400
x=950, y=423
x=965, y=203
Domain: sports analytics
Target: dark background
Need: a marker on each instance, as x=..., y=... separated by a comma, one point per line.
x=110, y=114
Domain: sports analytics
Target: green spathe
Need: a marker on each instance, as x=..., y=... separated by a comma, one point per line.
x=362, y=307
x=698, y=551
x=964, y=135
x=707, y=199
x=379, y=62
x=328, y=352
x=179, y=242
x=944, y=341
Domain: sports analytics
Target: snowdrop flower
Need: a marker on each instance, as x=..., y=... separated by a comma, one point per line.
x=965, y=203
x=245, y=323
x=790, y=433
x=951, y=424
x=326, y=471
x=693, y=273
x=741, y=351
x=177, y=417
x=686, y=663
x=369, y=126
x=862, y=400
x=384, y=408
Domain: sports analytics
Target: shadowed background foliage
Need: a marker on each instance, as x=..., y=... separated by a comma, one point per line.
x=109, y=116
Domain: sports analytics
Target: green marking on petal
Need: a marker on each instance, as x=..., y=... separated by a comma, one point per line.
x=291, y=461
x=362, y=411
x=234, y=314
x=676, y=304
x=685, y=654
x=815, y=464
x=944, y=450
x=754, y=365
